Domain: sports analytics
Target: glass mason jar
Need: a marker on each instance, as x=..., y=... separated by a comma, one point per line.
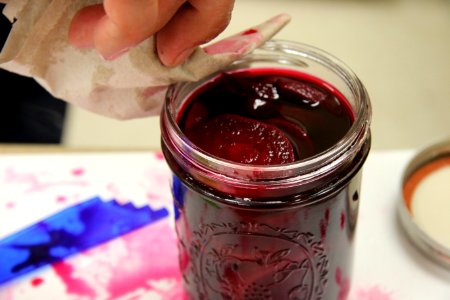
x=276, y=231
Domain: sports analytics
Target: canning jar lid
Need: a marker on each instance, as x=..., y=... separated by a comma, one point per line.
x=425, y=207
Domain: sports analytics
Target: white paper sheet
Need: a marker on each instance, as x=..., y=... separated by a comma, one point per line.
x=387, y=265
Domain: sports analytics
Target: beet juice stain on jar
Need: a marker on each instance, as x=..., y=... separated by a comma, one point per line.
x=266, y=159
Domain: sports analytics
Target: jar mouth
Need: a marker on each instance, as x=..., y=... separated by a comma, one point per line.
x=286, y=54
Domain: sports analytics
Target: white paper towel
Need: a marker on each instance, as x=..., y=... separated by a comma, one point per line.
x=131, y=86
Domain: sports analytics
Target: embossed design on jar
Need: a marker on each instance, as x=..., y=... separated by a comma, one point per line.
x=257, y=261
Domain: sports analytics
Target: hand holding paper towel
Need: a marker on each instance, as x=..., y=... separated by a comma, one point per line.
x=179, y=26
x=131, y=86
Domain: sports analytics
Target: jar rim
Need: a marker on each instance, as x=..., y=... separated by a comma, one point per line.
x=326, y=160
x=430, y=246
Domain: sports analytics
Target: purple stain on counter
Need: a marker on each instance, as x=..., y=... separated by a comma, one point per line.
x=70, y=231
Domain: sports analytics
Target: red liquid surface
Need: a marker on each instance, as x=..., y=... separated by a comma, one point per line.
x=232, y=251
x=265, y=116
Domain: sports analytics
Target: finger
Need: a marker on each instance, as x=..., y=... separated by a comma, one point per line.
x=128, y=23
x=195, y=23
x=81, y=31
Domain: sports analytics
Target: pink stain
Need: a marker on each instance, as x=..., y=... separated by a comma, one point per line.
x=10, y=205
x=34, y=182
x=114, y=190
x=249, y=31
x=156, y=185
x=158, y=256
x=159, y=155
x=13, y=176
x=37, y=281
x=323, y=229
x=61, y=198
x=327, y=215
x=73, y=285
x=373, y=293
x=78, y=171
x=141, y=262
x=342, y=221
x=151, y=196
x=184, y=260
x=324, y=224
x=44, y=186
x=343, y=283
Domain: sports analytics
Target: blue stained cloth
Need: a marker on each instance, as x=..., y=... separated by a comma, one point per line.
x=68, y=232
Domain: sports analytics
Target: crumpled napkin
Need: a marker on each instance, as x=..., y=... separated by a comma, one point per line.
x=131, y=86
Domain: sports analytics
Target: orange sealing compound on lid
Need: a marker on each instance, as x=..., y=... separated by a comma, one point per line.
x=418, y=175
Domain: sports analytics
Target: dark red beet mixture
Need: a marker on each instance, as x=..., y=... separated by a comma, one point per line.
x=265, y=116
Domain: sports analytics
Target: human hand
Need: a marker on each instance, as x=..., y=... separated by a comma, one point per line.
x=179, y=26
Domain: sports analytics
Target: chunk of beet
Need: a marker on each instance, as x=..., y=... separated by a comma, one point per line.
x=261, y=100
x=198, y=112
x=243, y=140
x=297, y=134
x=310, y=95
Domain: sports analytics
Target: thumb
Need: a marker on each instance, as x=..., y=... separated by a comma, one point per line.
x=195, y=23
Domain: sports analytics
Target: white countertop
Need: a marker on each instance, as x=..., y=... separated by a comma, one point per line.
x=400, y=49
